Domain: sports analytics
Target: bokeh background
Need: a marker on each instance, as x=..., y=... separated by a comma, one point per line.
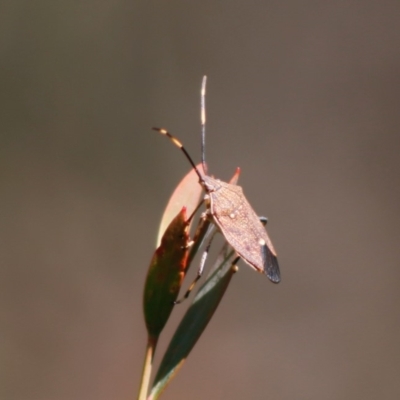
x=303, y=96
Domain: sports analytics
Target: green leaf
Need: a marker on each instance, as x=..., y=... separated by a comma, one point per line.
x=194, y=322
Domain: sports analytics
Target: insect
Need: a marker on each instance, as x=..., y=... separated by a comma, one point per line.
x=230, y=211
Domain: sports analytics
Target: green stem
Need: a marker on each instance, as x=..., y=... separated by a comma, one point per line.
x=147, y=365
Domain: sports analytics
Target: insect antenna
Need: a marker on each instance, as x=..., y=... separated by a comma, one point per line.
x=203, y=123
x=178, y=144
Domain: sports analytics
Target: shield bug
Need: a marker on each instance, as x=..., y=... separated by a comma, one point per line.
x=230, y=211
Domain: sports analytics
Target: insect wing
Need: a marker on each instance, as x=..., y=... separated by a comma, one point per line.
x=271, y=266
x=242, y=229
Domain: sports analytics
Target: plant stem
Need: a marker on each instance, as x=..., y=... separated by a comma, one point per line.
x=147, y=365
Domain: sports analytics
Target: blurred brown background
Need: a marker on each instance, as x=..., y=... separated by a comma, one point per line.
x=303, y=96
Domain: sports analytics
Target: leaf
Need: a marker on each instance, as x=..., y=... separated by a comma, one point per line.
x=194, y=322
x=200, y=312
x=166, y=272
x=187, y=193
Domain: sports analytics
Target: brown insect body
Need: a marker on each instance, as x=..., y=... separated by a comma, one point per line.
x=232, y=213
x=241, y=226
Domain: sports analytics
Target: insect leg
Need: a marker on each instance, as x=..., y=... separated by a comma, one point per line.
x=204, y=228
x=195, y=210
x=199, y=271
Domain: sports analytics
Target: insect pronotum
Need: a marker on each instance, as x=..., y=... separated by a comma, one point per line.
x=232, y=213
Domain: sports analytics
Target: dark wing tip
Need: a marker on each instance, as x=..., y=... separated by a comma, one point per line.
x=273, y=272
x=271, y=266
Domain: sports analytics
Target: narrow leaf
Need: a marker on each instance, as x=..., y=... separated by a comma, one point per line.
x=166, y=272
x=193, y=323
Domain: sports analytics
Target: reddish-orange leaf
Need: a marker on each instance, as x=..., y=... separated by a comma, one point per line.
x=166, y=272
x=187, y=194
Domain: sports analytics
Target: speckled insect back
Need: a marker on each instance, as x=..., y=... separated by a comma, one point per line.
x=241, y=226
